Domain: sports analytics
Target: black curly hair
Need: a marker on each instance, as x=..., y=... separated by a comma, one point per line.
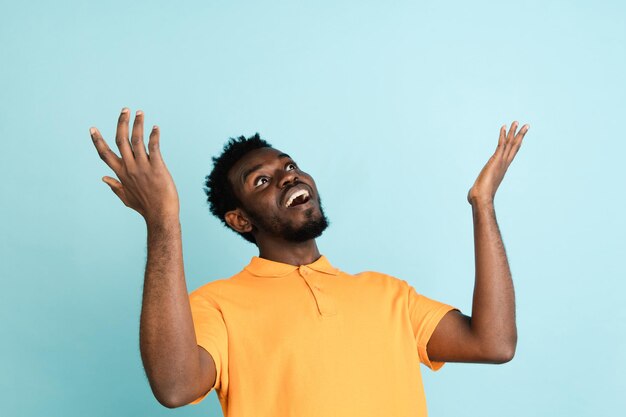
x=220, y=194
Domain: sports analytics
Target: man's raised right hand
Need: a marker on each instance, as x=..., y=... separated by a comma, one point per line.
x=145, y=184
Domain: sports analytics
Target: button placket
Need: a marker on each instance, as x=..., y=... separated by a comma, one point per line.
x=325, y=305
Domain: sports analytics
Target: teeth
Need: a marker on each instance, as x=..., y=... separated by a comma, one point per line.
x=296, y=195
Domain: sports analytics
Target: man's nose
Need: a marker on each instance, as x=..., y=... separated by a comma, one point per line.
x=288, y=177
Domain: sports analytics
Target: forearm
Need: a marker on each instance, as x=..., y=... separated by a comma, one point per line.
x=174, y=364
x=167, y=338
x=493, y=308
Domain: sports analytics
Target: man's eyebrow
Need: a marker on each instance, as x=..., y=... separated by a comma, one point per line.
x=249, y=171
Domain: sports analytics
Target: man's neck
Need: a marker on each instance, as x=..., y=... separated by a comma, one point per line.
x=289, y=252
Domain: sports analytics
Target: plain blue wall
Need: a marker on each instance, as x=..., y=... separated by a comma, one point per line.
x=393, y=107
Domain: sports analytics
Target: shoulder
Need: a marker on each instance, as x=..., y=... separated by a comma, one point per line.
x=375, y=275
x=210, y=287
x=381, y=279
x=217, y=288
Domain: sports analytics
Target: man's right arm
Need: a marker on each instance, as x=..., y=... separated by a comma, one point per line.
x=178, y=369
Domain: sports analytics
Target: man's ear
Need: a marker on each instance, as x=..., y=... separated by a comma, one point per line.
x=238, y=221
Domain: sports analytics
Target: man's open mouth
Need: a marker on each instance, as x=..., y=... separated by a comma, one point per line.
x=297, y=198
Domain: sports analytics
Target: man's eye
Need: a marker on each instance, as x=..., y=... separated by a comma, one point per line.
x=260, y=181
x=290, y=167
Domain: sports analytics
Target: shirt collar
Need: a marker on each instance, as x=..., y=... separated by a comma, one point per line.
x=270, y=269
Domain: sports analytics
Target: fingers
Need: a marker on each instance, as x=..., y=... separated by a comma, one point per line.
x=139, y=149
x=153, y=145
x=121, y=138
x=512, y=130
x=515, y=142
x=501, y=141
x=106, y=154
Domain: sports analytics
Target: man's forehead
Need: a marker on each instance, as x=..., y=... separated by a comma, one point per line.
x=254, y=160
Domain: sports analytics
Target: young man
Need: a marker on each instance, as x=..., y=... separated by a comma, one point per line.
x=291, y=335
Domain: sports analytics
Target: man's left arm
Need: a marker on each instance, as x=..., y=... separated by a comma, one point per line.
x=490, y=334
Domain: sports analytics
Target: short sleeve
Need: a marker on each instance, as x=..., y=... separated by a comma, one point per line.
x=212, y=336
x=425, y=316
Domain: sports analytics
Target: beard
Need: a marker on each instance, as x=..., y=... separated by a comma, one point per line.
x=312, y=227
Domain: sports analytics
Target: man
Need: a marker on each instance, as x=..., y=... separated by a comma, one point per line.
x=291, y=335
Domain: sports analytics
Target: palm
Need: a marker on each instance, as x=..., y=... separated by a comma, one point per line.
x=145, y=183
x=490, y=177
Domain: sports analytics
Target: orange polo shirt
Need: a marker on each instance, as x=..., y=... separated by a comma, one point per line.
x=315, y=341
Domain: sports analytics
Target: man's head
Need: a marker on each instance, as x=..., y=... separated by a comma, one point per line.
x=259, y=192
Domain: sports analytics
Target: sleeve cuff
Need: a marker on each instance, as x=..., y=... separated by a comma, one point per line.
x=209, y=348
x=427, y=332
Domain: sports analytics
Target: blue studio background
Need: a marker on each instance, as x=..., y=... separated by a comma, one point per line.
x=393, y=107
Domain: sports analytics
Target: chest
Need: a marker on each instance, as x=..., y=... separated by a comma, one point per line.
x=301, y=313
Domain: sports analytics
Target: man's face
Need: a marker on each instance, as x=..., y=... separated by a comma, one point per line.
x=279, y=199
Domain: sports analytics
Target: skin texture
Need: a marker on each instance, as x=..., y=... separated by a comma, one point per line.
x=179, y=371
x=264, y=191
x=490, y=335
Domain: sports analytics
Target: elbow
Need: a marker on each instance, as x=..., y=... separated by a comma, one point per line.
x=171, y=395
x=170, y=389
x=166, y=402
x=170, y=404
x=500, y=352
x=503, y=355
x=170, y=400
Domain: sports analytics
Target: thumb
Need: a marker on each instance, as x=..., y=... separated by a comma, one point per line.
x=116, y=187
x=111, y=182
